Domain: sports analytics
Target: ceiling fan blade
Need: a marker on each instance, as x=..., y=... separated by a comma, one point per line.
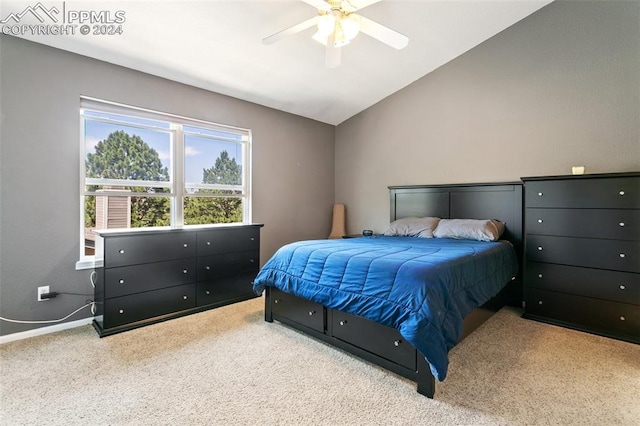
x=291, y=31
x=332, y=57
x=353, y=5
x=382, y=33
x=319, y=4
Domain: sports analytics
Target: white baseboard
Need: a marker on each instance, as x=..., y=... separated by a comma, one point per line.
x=44, y=330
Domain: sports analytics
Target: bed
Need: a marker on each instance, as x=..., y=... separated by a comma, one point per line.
x=402, y=302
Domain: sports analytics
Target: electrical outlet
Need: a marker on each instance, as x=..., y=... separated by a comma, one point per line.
x=42, y=290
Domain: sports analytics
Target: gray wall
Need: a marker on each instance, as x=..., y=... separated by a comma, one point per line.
x=557, y=89
x=293, y=168
x=560, y=88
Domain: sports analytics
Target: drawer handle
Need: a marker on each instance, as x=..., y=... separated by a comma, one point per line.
x=622, y=287
x=539, y=302
x=207, y=292
x=208, y=243
x=121, y=311
x=121, y=281
x=539, y=275
x=540, y=220
x=621, y=193
x=276, y=301
x=252, y=261
x=184, y=297
x=621, y=224
x=253, y=239
x=622, y=255
x=311, y=313
x=622, y=318
x=185, y=245
x=208, y=268
x=396, y=343
x=540, y=194
x=121, y=251
x=539, y=248
x=184, y=271
x=343, y=322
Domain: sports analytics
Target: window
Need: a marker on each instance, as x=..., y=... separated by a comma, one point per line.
x=144, y=169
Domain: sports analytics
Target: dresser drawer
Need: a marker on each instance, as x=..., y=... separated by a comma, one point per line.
x=297, y=309
x=611, y=224
x=616, y=286
x=373, y=337
x=226, y=289
x=614, y=193
x=585, y=313
x=228, y=240
x=220, y=265
x=148, y=276
x=139, y=248
x=142, y=306
x=593, y=253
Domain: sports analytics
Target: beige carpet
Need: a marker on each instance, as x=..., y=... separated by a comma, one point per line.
x=228, y=366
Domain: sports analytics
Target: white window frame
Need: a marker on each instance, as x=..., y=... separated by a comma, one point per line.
x=178, y=187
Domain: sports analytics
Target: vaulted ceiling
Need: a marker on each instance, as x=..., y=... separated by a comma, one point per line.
x=217, y=45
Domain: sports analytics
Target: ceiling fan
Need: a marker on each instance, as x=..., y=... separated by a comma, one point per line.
x=338, y=24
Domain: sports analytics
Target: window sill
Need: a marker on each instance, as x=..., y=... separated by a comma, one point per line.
x=85, y=264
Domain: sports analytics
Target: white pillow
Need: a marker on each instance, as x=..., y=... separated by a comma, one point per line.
x=470, y=229
x=413, y=227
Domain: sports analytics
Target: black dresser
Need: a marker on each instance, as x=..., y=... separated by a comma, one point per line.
x=146, y=276
x=582, y=252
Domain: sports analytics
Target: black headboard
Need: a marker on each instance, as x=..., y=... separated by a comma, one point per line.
x=502, y=201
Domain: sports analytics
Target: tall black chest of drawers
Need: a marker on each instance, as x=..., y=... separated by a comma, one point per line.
x=582, y=252
x=147, y=276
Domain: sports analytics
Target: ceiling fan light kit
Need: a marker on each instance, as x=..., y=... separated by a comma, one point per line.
x=337, y=25
x=343, y=27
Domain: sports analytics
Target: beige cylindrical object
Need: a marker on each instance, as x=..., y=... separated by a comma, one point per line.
x=338, y=226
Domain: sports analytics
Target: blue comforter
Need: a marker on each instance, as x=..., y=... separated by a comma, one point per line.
x=423, y=287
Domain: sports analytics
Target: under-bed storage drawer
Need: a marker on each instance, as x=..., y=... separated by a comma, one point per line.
x=381, y=340
x=297, y=309
x=622, y=319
